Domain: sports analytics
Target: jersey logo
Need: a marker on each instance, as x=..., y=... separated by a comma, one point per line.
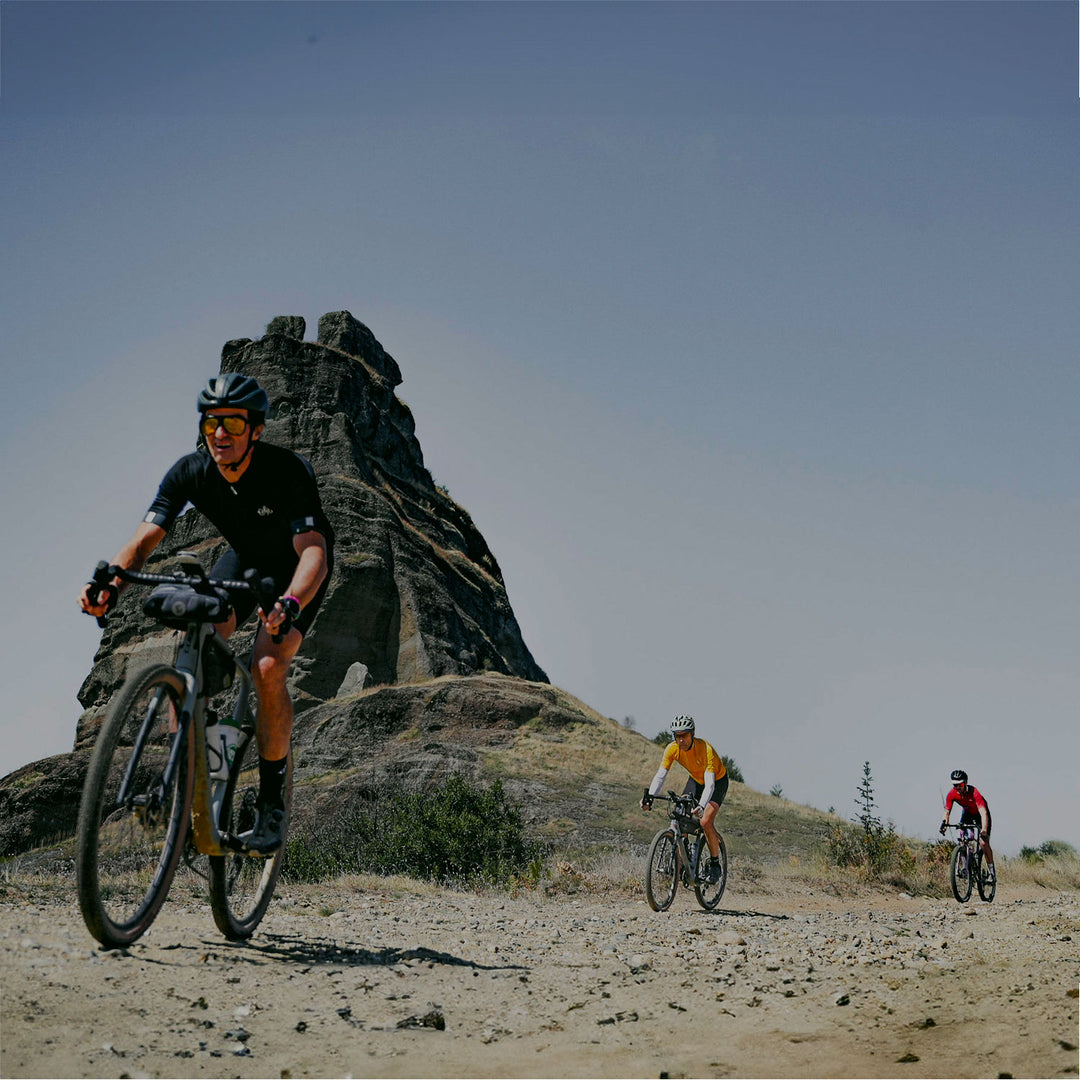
x=264, y=511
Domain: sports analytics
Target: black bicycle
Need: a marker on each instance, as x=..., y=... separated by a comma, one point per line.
x=680, y=852
x=967, y=868
x=152, y=797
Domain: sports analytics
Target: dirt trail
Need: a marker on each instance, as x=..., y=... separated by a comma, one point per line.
x=345, y=982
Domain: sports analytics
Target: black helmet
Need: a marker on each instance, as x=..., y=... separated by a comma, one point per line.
x=959, y=776
x=235, y=391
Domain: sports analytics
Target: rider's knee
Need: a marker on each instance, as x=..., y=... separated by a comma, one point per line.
x=270, y=670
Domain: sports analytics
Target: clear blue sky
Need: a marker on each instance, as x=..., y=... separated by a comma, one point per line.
x=747, y=333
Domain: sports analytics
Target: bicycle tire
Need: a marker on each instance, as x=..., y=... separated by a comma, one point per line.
x=709, y=893
x=987, y=889
x=960, y=873
x=242, y=886
x=127, y=855
x=662, y=871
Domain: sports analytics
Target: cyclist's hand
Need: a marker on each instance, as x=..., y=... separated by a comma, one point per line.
x=281, y=616
x=944, y=828
x=646, y=803
x=277, y=620
x=98, y=600
x=697, y=812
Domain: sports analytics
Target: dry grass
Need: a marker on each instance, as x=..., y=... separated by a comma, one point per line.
x=1060, y=872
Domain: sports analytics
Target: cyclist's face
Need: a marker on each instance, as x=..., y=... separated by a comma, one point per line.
x=226, y=449
x=683, y=738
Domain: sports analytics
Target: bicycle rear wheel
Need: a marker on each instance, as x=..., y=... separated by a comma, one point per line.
x=709, y=892
x=242, y=886
x=662, y=871
x=987, y=885
x=132, y=822
x=960, y=873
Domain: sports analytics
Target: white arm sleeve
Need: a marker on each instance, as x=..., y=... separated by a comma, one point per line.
x=658, y=781
x=707, y=789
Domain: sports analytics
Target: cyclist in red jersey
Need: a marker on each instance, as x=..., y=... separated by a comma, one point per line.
x=976, y=811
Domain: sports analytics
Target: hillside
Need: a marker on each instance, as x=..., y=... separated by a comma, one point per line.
x=577, y=775
x=415, y=668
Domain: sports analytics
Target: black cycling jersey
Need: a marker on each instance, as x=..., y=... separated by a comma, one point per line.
x=275, y=499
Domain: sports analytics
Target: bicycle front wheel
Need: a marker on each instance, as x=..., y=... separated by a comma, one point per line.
x=133, y=817
x=242, y=886
x=987, y=883
x=960, y=869
x=709, y=892
x=662, y=871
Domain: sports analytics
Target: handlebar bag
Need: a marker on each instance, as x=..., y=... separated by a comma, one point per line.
x=179, y=605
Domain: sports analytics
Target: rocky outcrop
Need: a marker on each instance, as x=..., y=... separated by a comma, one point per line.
x=344, y=749
x=416, y=593
x=416, y=605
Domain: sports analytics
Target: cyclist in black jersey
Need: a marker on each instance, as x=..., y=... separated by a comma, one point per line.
x=265, y=502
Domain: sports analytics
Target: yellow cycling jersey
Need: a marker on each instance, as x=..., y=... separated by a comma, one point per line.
x=697, y=761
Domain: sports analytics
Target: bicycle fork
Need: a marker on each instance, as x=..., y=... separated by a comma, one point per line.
x=148, y=807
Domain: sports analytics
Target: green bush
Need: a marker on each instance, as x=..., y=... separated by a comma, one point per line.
x=1048, y=849
x=455, y=832
x=870, y=845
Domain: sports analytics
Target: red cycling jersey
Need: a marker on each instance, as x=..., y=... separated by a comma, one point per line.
x=967, y=797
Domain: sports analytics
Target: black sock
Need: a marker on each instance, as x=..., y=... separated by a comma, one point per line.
x=272, y=781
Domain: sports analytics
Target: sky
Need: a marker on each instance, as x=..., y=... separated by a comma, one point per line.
x=746, y=333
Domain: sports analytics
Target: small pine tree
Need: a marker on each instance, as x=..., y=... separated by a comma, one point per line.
x=870, y=822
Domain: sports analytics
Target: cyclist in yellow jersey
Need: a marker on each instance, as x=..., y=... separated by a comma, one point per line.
x=708, y=781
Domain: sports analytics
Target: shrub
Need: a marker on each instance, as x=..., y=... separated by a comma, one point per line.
x=662, y=738
x=733, y=770
x=455, y=832
x=871, y=845
x=1048, y=849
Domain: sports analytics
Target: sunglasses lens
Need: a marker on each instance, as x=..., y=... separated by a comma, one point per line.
x=233, y=425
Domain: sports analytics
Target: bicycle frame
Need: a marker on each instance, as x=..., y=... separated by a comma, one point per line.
x=208, y=838
x=685, y=826
x=968, y=835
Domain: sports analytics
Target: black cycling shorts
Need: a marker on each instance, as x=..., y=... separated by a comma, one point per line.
x=968, y=818
x=719, y=789
x=231, y=567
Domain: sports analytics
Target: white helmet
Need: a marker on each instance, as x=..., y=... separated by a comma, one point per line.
x=682, y=723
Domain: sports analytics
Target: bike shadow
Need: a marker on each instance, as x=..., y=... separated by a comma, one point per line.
x=748, y=913
x=301, y=950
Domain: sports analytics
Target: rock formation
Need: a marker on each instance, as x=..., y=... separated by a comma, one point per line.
x=416, y=593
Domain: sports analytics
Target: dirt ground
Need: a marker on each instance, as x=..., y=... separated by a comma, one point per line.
x=361, y=980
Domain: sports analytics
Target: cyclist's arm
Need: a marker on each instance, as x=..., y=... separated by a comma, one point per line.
x=658, y=781
x=310, y=570
x=707, y=789
x=948, y=810
x=308, y=576
x=132, y=556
